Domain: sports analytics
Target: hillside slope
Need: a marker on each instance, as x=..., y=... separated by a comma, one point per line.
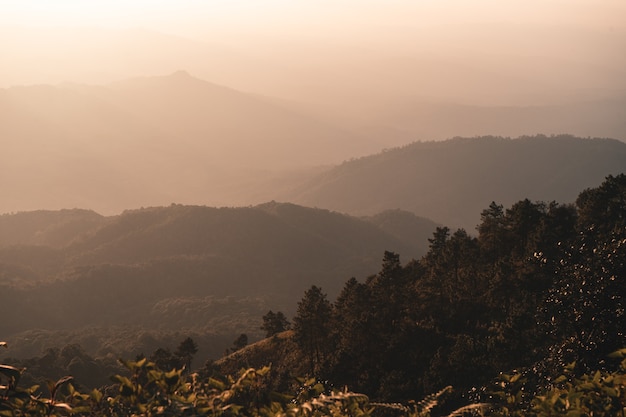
x=215, y=270
x=452, y=181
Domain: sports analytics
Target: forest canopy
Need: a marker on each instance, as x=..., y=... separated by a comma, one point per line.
x=534, y=305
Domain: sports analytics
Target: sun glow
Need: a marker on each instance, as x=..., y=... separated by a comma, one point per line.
x=82, y=13
x=195, y=16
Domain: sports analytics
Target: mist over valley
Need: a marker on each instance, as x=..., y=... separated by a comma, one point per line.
x=392, y=197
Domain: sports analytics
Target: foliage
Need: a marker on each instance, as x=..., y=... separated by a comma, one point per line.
x=274, y=323
x=312, y=327
x=150, y=391
x=586, y=306
x=240, y=342
x=542, y=286
x=600, y=393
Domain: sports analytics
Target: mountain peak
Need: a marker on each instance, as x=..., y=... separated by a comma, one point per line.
x=181, y=74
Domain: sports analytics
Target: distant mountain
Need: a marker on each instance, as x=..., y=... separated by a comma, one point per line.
x=47, y=228
x=452, y=181
x=223, y=124
x=404, y=225
x=420, y=119
x=153, y=141
x=181, y=266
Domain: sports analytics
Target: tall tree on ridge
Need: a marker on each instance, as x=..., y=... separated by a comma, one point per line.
x=312, y=325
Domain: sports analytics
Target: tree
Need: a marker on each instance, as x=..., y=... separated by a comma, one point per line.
x=603, y=209
x=164, y=359
x=586, y=305
x=274, y=323
x=185, y=351
x=312, y=326
x=240, y=342
x=521, y=221
x=490, y=231
x=352, y=333
x=391, y=265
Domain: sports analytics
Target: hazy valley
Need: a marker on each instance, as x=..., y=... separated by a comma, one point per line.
x=153, y=141
x=364, y=204
x=215, y=271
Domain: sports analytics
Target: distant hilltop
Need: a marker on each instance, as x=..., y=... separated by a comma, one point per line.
x=452, y=181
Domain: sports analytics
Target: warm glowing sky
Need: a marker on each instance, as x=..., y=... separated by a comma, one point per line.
x=45, y=41
x=193, y=17
x=377, y=73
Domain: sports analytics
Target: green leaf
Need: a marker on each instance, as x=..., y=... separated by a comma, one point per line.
x=154, y=375
x=81, y=410
x=122, y=380
x=96, y=395
x=618, y=354
x=215, y=383
x=126, y=390
x=172, y=378
x=611, y=392
x=560, y=379
x=318, y=388
x=280, y=397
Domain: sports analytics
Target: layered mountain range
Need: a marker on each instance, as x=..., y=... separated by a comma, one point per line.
x=143, y=204
x=153, y=141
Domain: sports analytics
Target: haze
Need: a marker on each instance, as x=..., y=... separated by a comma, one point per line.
x=110, y=105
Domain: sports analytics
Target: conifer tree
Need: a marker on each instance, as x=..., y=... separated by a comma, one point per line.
x=312, y=326
x=274, y=323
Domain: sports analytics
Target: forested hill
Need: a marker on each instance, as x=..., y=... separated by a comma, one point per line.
x=182, y=266
x=452, y=181
x=539, y=293
x=47, y=228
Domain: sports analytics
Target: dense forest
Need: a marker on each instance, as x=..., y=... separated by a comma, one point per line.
x=527, y=317
x=539, y=288
x=126, y=284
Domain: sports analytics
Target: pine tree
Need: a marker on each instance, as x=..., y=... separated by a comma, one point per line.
x=312, y=326
x=274, y=323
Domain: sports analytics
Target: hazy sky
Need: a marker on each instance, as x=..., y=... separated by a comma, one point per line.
x=372, y=45
x=197, y=17
x=357, y=75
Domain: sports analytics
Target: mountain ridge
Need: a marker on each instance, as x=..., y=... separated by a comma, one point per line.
x=452, y=181
x=155, y=266
x=152, y=141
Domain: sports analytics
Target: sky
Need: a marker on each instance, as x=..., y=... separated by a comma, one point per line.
x=84, y=41
x=198, y=17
